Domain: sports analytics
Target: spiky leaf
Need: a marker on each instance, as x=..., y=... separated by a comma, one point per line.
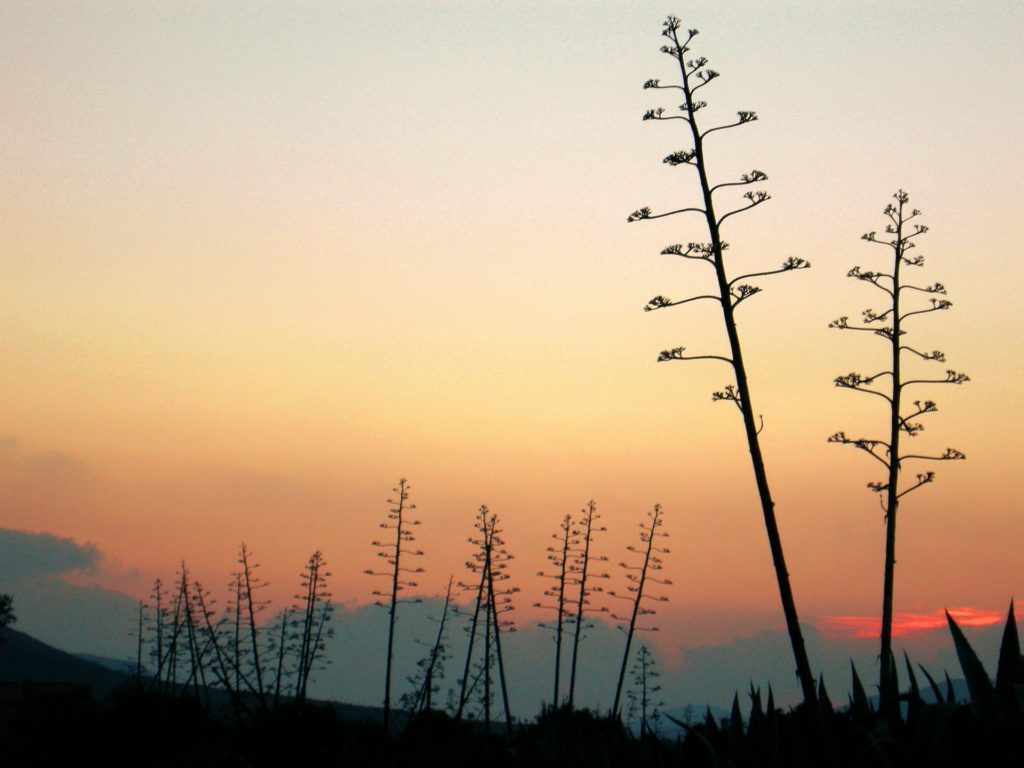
x=978, y=682
x=860, y=707
x=1010, y=671
x=913, y=698
x=736, y=720
x=915, y=691
x=755, y=728
x=823, y=700
x=936, y=692
x=710, y=723
x=1011, y=667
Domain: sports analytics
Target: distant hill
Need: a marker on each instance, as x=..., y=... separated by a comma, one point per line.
x=118, y=665
x=25, y=659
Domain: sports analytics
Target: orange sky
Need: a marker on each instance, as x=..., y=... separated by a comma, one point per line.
x=259, y=261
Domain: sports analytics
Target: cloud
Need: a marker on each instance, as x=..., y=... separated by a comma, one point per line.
x=907, y=623
x=25, y=555
x=72, y=617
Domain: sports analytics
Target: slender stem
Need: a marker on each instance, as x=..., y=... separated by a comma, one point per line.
x=887, y=696
x=394, y=602
x=655, y=515
x=803, y=667
x=247, y=571
x=567, y=525
x=584, y=563
x=464, y=689
x=497, y=632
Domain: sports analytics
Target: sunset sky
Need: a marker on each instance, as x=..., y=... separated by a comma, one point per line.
x=260, y=260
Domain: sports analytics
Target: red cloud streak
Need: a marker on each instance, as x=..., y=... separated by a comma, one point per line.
x=906, y=623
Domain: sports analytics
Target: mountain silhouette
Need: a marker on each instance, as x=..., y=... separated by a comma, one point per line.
x=25, y=659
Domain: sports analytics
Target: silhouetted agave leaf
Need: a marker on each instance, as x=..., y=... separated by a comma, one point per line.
x=823, y=699
x=736, y=720
x=860, y=707
x=1011, y=667
x=1010, y=671
x=950, y=693
x=771, y=727
x=983, y=700
x=915, y=691
x=709, y=721
x=913, y=698
x=755, y=727
x=935, y=686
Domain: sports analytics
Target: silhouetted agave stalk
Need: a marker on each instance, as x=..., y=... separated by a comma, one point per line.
x=177, y=639
x=560, y=557
x=243, y=653
x=500, y=601
x=177, y=625
x=642, y=697
x=490, y=561
x=639, y=577
x=314, y=612
x=475, y=565
x=159, y=618
x=730, y=291
x=197, y=672
x=420, y=699
x=222, y=666
x=282, y=653
x=582, y=574
x=238, y=588
x=888, y=323
x=392, y=552
x=141, y=641
x=250, y=582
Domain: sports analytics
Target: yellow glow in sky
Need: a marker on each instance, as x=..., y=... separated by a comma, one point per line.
x=259, y=261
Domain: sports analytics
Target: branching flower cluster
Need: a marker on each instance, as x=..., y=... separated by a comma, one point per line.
x=396, y=553
x=431, y=667
x=559, y=556
x=891, y=385
x=583, y=576
x=640, y=577
x=193, y=650
x=733, y=196
x=643, y=701
x=492, y=604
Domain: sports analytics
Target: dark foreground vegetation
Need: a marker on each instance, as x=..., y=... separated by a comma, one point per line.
x=63, y=724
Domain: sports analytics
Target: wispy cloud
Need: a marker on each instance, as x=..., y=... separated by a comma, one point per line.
x=906, y=623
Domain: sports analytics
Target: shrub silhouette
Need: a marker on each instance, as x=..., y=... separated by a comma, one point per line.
x=7, y=616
